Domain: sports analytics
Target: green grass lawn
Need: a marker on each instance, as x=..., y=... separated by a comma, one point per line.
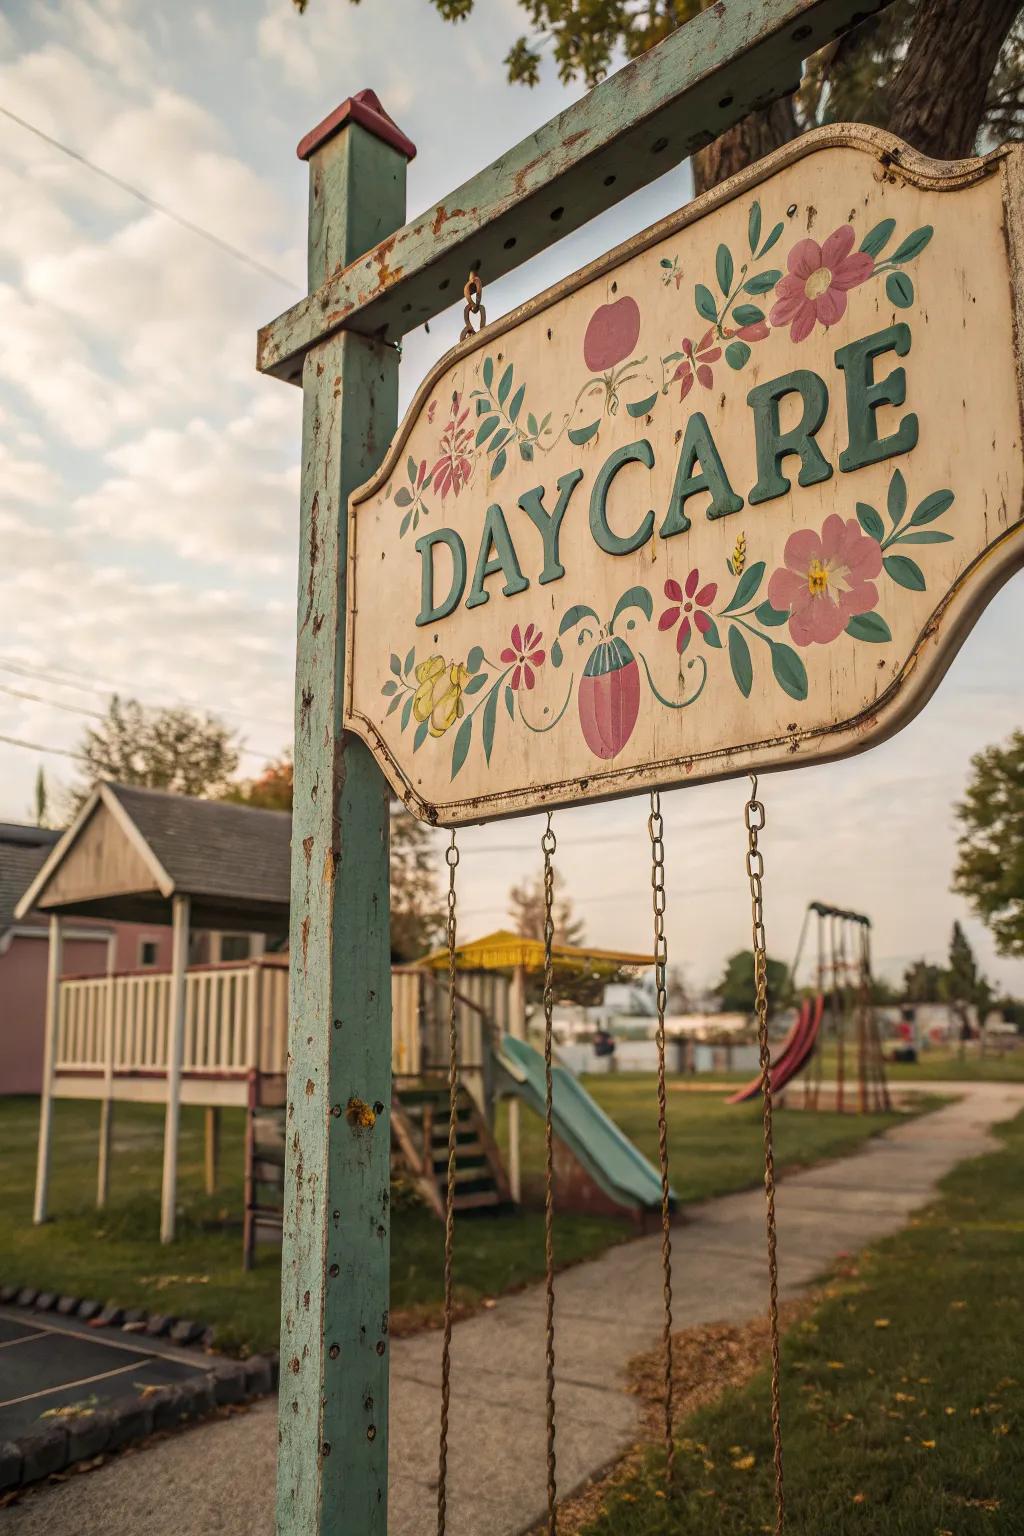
x=115, y=1255
x=714, y=1147
x=903, y=1394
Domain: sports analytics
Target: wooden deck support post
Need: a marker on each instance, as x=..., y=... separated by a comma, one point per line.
x=175, y=1053
x=54, y=966
x=107, y=1106
x=333, y=1439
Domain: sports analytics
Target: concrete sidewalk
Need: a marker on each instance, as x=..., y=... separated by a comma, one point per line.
x=218, y=1480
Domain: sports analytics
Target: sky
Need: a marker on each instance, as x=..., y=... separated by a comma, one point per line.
x=149, y=477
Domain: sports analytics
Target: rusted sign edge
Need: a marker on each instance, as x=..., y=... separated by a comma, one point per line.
x=949, y=623
x=628, y=131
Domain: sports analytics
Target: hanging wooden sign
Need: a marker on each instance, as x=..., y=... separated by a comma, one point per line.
x=729, y=498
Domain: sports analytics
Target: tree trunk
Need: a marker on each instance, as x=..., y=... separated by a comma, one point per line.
x=938, y=95
x=751, y=139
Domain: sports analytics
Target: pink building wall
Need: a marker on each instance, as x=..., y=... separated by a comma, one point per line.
x=23, y=987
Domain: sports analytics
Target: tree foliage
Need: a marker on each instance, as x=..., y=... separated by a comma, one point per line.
x=416, y=916
x=946, y=75
x=736, y=991
x=990, y=860
x=526, y=910
x=174, y=749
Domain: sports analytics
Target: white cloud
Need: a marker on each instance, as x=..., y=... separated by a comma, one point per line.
x=24, y=480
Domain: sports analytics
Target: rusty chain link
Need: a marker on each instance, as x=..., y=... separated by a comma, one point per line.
x=548, y=845
x=656, y=829
x=452, y=860
x=473, y=293
x=754, y=817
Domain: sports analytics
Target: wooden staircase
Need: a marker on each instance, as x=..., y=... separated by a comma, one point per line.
x=419, y=1132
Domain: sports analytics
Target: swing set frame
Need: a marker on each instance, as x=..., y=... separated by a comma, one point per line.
x=372, y=278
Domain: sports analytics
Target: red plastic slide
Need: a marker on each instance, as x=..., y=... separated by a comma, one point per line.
x=794, y=1053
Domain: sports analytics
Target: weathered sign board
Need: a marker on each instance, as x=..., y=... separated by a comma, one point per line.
x=729, y=498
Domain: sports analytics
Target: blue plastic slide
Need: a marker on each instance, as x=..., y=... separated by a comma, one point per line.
x=610, y=1158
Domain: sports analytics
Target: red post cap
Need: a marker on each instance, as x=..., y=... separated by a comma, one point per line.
x=365, y=109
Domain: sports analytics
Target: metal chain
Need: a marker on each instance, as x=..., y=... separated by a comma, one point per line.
x=452, y=860
x=656, y=828
x=473, y=293
x=754, y=818
x=548, y=845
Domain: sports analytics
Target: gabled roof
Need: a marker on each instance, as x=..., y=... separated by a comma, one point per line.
x=22, y=851
x=231, y=860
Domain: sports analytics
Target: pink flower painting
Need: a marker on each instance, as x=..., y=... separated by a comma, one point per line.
x=689, y=605
x=696, y=363
x=454, y=467
x=827, y=579
x=819, y=278
x=525, y=651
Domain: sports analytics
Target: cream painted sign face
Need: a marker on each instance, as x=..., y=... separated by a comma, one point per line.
x=728, y=499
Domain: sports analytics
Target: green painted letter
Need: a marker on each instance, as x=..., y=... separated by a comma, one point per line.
x=549, y=525
x=774, y=445
x=699, y=447
x=864, y=394
x=495, y=537
x=429, y=614
x=612, y=543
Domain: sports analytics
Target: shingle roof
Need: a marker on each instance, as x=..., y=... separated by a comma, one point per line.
x=20, y=862
x=210, y=848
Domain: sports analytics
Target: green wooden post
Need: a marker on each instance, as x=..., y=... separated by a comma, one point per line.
x=333, y=1405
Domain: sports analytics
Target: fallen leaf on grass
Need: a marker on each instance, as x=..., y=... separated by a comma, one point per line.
x=744, y=1463
x=881, y=1322
x=929, y=1445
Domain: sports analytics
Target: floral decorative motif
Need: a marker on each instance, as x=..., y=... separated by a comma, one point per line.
x=525, y=653
x=696, y=363
x=686, y=602
x=819, y=277
x=828, y=578
x=438, y=699
x=826, y=587
x=455, y=465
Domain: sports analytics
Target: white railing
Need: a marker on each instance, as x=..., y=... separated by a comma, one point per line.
x=236, y=1018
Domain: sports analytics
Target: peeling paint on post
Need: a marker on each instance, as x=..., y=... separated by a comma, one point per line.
x=333, y=1406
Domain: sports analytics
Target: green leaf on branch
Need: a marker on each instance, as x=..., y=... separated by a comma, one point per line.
x=396, y=665
x=747, y=586
x=737, y=354
x=747, y=314
x=929, y=536
x=897, y=502
x=500, y=460
x=770, y=617
x=932, y=507
x=510, y=702
x=487, y=724
x=869, y=626
x=790, y=672
x=462, y=740
x=705, y=302
x=870, y=521
x=724, y=269
x=772, y=239
x=739, y=660
x=581, y=435
x=474, y=661
x=913, y=245
x=904, y=572
x=485, y=429
x=488, y=371
x=407, y=711
x=900, y=290
x=410, y=658
x=878, y=238
x=761, y=282
x=641, y=407
x=505, y=385
x=573, y=615
x=516, y=404
x=421, y=735
x=403, y=496
x=754, y=226
x=711, y=635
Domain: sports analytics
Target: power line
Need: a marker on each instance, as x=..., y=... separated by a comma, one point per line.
x=37, y=698
x=36, y=746
x=55, y=677
x=151, y=202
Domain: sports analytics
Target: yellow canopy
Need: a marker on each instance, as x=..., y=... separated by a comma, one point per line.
x=504, y=951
